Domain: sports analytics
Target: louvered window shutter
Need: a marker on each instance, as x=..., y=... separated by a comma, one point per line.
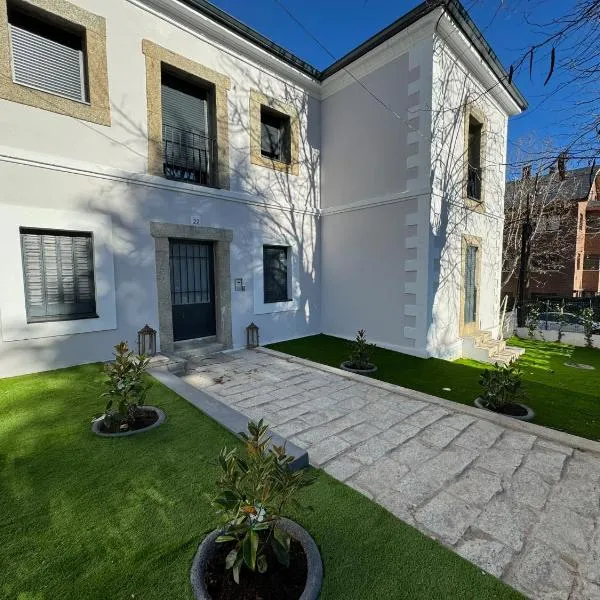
x=185, y=123
x=58, y=270
x=46, y=57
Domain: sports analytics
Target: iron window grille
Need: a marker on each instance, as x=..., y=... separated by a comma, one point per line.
x=189, y=156
x=275, y=136
x=190, y=273
x=470, y=308
x=275, y=273
x=58, y=270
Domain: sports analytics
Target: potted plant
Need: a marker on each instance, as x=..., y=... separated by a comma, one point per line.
x=125, y=412
x=256, y=552
x=502, y=390
x=359, y=356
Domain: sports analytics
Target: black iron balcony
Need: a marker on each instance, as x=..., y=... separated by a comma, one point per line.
x=189, y=156
x=474, y=183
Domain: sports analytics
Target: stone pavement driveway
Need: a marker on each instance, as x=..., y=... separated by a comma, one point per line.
x=521, y=507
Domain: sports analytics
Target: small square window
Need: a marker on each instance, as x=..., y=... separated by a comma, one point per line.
x=275, y=136
x=275, y=272
x=58, y=269
x=47, y=54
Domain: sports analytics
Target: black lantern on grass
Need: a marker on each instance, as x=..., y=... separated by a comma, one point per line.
x=147, y=341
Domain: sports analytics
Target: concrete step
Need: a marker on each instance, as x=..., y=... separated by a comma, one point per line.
x=483, y=347
x=194, y=349
x=168, y=364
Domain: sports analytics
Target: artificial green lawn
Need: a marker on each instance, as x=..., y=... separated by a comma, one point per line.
x=83, y=517
x=563, y=398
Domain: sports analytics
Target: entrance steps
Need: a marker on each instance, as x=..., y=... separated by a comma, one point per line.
x=187, y=355
x=484, y=348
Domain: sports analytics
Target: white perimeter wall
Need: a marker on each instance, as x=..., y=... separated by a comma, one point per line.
x=454, y=88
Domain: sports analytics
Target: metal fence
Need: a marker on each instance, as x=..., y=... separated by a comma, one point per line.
x=550, y=309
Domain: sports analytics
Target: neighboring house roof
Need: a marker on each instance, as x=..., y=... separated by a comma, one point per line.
x=576, y=186
x=454, y=8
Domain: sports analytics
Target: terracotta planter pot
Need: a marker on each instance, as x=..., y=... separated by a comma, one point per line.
x=529, y=416
x=346, y=366
x=314, y=576
x=97, y=424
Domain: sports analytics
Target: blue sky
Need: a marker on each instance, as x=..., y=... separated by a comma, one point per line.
x=341, y=25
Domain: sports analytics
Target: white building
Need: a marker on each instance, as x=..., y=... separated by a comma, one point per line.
x=162, y=163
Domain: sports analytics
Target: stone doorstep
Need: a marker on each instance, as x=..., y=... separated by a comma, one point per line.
x=559, y=437
x=226, y=416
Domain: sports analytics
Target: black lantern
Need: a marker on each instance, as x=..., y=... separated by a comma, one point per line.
x=252, y=336
x=147, y=341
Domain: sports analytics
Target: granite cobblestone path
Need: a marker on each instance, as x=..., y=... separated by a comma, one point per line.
x=523, y=508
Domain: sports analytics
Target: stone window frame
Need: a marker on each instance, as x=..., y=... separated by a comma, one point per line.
x=156, y=57
x=221, y=238
x=97, y=108
x=470, y=240
x=479, y=116
x=258, y=100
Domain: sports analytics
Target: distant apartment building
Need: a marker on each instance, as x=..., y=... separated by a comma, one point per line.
x=568, y=228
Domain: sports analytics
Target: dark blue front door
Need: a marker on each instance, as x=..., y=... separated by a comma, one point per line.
x=192, y=289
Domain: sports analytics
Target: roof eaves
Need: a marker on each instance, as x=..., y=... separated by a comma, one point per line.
x=454, y=8
x=464, y=21
x=251, y=35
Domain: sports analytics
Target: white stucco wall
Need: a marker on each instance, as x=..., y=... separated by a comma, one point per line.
x=57, y=170
x=457, y=89
x=375, y=193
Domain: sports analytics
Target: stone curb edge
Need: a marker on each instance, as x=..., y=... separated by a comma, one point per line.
x=223, y=414
x=552, y=435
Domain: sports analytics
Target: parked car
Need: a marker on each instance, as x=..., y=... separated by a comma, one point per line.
x=551, y=321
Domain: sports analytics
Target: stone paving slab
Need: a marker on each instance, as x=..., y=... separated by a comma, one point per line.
x=519, y=501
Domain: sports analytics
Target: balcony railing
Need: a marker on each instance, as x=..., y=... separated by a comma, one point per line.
x=474, y=183
x=189, y=156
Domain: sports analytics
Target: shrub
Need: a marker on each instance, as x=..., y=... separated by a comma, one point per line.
x=127, y=387
x=533, y=319
x=587, y=316
x=360, y=352
x=254, y=490
x=560, y=309
x=502, y=385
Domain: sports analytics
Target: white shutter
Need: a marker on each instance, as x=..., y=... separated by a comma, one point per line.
x=47, y=64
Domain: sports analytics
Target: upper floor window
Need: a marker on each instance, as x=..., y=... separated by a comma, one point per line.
x=187, y=130
x=58, y=269
x=474, y=174
x=275, y=136
x=47, y=53
x=591, y=262
x=550, y=223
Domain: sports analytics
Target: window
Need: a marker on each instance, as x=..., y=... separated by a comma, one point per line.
x=591, y=262
x=58, y=269
x=275, y=272
x=474, y=172
x=550, y=223
x=580, y=221
x=274, y=135
x=47, y=54
x=189, y=148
